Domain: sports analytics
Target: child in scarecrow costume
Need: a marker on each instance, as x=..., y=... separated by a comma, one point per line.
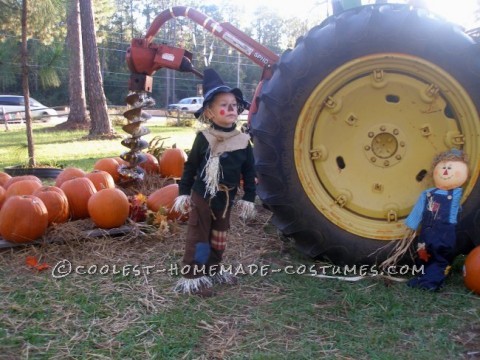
x=220, y=156
x=435, y=213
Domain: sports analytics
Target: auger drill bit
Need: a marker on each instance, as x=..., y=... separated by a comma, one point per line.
x=134, y=127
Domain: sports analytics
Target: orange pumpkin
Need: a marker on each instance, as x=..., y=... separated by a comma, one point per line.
x=121, y=161
x=50, y=188
x=101, y=179
x=172, y=162
x=2, y=196
x=14, y=179
x=78, y=192
x=56, y=203
x=109, y=208
x=151, y=166
x=22, y=187
x=23, y=219
x=68, y=174
x=4, y=177
x=164, y=198
x=109, y=165
x=471, y=270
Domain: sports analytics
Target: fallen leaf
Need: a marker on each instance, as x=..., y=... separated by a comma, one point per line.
x=41, y=267
x=31, y=261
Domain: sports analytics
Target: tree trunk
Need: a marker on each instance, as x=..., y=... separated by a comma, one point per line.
x=97, y=104
x=77, y=117
x=26, y=91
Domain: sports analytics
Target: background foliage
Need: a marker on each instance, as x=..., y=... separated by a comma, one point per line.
x=117, y=22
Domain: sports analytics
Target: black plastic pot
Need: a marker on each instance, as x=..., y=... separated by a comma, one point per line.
x=41, y=172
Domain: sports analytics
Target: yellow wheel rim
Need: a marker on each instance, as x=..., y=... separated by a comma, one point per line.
x=368, y=133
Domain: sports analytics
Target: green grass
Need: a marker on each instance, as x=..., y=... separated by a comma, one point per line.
x=70, y=148
x=288, y=317
x=277, y=316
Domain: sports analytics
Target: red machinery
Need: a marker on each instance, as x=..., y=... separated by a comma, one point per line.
x=144, y=57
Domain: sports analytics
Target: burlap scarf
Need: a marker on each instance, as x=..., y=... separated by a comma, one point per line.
x=220, y=142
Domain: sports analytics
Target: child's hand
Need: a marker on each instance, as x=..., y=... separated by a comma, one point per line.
x=182, y=204
x=246, y=209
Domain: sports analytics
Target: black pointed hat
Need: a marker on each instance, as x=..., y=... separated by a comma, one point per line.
x=212, y=85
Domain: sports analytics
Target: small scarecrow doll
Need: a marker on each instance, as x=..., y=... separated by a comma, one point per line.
x=220, y=157
x=435, y=214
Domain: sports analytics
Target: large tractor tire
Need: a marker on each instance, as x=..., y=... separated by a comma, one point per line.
x=349, y=123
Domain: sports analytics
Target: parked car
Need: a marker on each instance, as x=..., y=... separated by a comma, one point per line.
x=14, y=105
x=190, y=105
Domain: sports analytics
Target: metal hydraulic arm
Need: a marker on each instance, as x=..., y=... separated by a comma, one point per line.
x=144, y=57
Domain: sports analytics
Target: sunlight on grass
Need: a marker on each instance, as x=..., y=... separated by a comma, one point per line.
x=62, y=148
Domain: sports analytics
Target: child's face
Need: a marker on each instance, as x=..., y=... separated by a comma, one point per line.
x=449, y=175
x=223, y=110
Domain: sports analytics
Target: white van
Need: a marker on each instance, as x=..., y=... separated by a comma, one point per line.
x=14, y=105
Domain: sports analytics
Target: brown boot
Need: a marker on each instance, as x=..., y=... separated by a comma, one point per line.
x=204, y=291
x=201, y=286
x=225, y=278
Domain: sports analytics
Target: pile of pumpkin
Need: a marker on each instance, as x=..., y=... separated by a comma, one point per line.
x=28, y=206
